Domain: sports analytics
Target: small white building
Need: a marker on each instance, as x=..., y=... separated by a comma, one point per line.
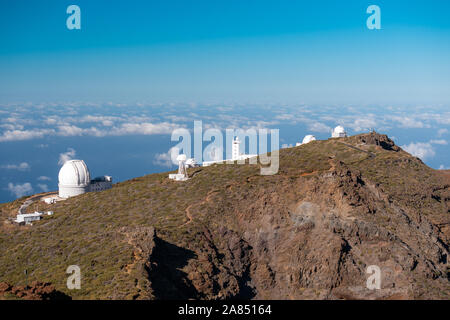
x=339, y=132
x=177, y=177
x=50, y=200
x=28, y=218
x=100, y=184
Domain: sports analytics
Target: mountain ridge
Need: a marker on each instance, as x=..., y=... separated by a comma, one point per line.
x=309, y=232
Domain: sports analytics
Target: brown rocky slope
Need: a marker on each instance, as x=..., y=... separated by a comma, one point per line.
x=309, y=232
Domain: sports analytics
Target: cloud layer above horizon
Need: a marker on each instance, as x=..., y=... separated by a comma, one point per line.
x=55, y=128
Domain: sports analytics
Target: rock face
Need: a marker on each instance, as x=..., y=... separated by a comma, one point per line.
x=377, y=139
x=311, y=231
x=143, y=240
x=37, y=291
x=321, y=245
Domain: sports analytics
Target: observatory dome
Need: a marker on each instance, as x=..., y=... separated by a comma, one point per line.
x=308, y=139
x=74, y=178
x=74, y=173
x=338, y=132
x=339, y=129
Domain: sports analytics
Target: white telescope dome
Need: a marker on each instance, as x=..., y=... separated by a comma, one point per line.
x=339, y=129
x=74, y=173
x=181, y=157
x=74, y=178
x=338, y=132
x=308, y=139
x=191, y=162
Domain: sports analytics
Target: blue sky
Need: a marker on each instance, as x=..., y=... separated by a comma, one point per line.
x=217, y=50
x=112, y=92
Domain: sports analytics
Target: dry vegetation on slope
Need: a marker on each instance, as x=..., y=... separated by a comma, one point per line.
x=310, y=231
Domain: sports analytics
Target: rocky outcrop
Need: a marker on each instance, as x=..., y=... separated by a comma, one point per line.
x=377, y=139
x=143, y=241
x=37, y=291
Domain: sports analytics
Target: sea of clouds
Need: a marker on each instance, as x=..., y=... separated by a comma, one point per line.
x=53, y=130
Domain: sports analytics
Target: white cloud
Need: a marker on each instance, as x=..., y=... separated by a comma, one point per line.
x=106, y=121
x=441, y=142
x=408, y=122
x=66, y=156
x=421, y=150
x=362, y=124
x=51, y=120
x=441, y=132
x=168, y=159
x=442, y=167
x=17, y=135
x=11, y=127
x=21, y=167
x=319, y=127
x=43, y=187
x=70, y=131
x=44, y=178
x=443, y=119
x=284, y=116
x=19, y=190
x=129, y=125
x=146, y=128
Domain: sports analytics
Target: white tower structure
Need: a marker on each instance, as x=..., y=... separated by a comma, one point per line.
x=182, y=173
x=338, y=132
x=74, y=179
x=235, y=154
x=235, y=149
x=182, y=164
